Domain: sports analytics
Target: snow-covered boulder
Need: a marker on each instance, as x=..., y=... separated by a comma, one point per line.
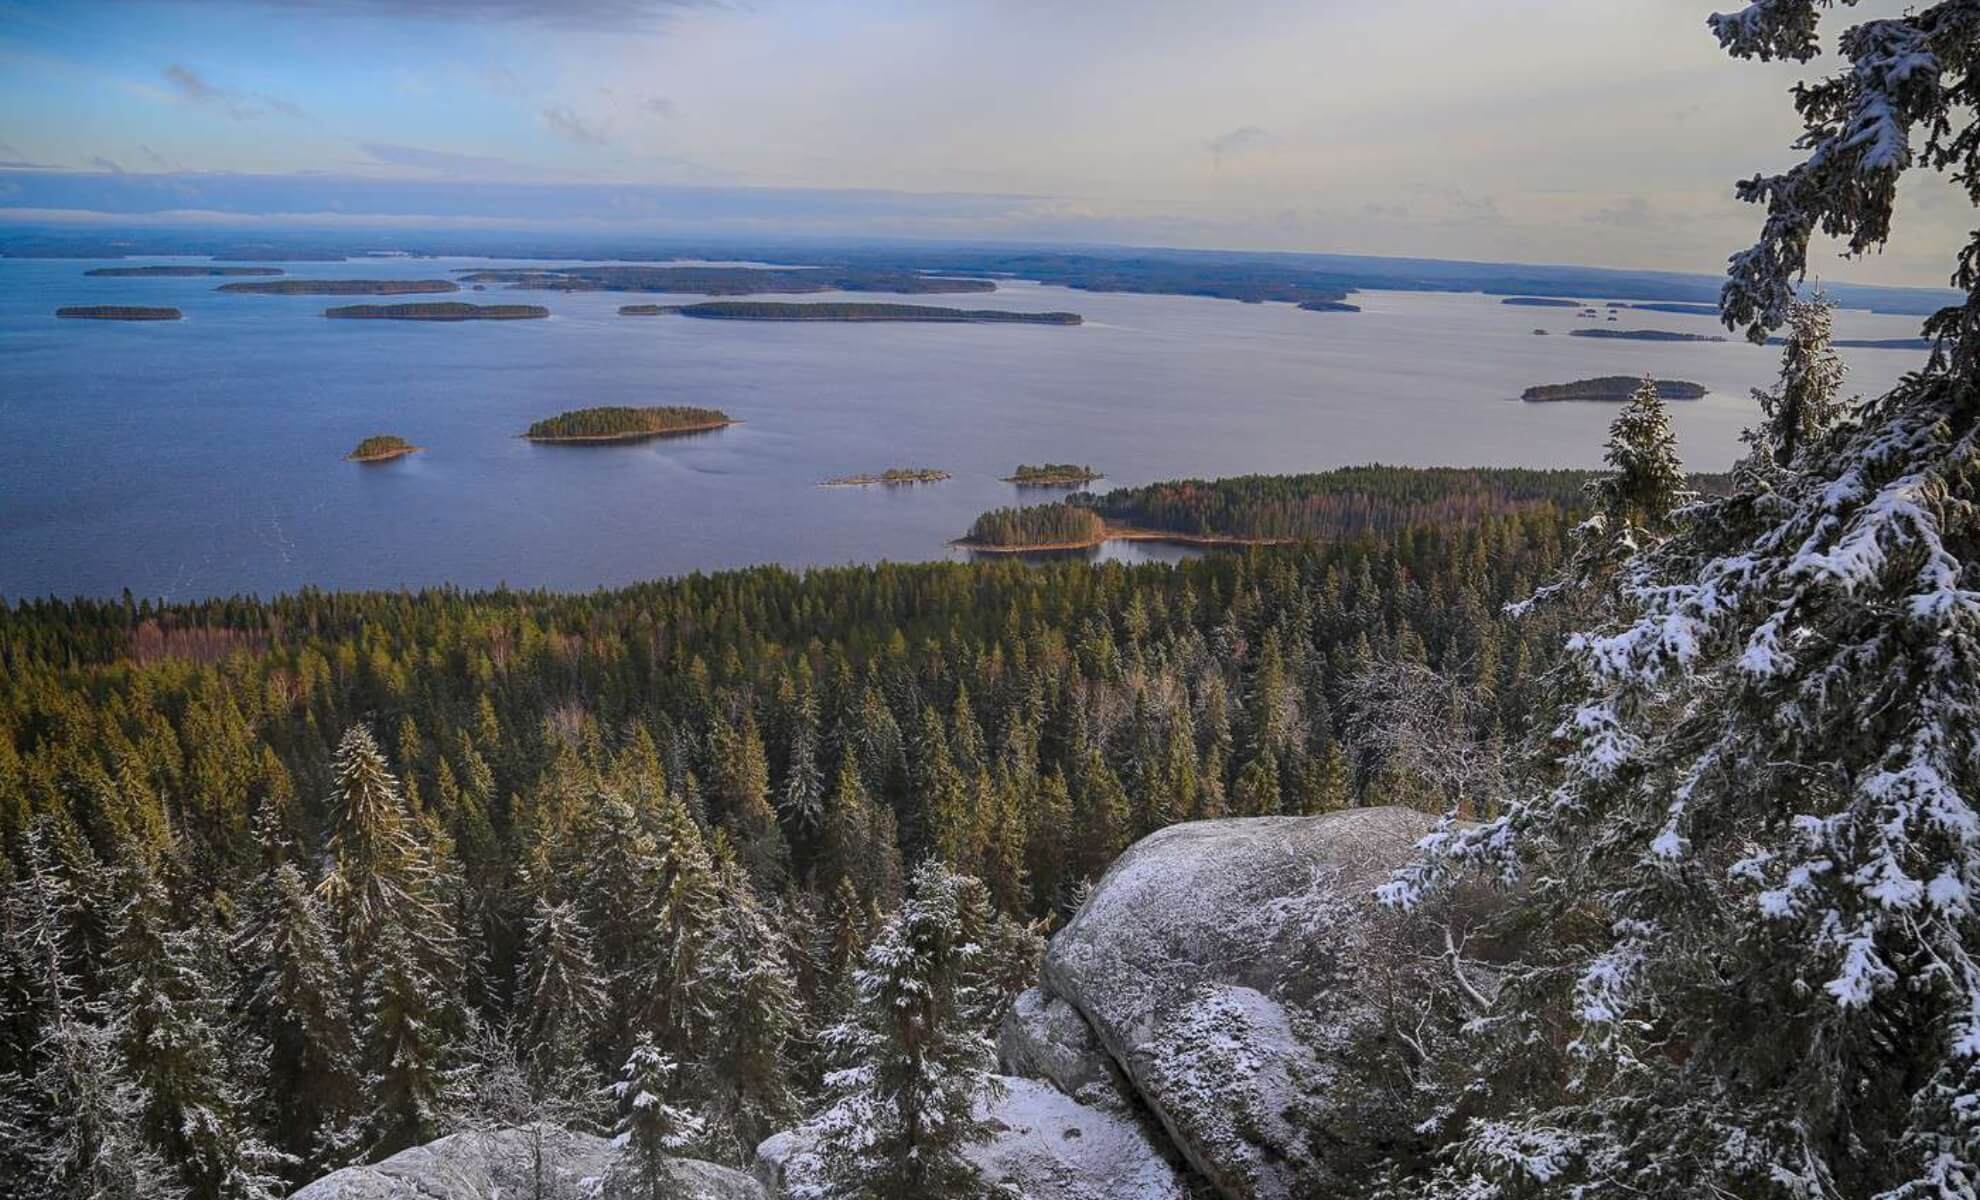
x=1243, y=977
x=1043, y=1037
x=1043, y=1145
x=479, y=1166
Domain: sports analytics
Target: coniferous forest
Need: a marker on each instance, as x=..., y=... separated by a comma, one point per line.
x=304, y=879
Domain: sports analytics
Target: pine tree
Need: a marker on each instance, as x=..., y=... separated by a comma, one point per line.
x=913, y=1064
x=752, y=1018
x=650, y=1130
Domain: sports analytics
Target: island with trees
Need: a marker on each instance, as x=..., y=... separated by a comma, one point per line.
x=343, y=287
x=645, y=310
x=177, y=272
x=1611, y=387
x=1036, y=527
x=1053, y=475
x=118, y=312
x=381, y=447
x=764, y=310
x=627, y=424
x=1329, y=306
x=1674, y=306
x=442, y=311
x=1645, y=335
x=891, y=477
x=729, y=281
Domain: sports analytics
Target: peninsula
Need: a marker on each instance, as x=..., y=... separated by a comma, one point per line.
x=1611, y=387
x=625, y=424
x=383, y=447
x=181, y=272
x=1053, y=475
x=759, y=310
x=647, y=310
x=343, y=287
x=892, y=477
x=441, y=311
x=1644, y=335
x=119, y=312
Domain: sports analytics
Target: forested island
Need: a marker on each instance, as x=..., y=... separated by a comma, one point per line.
x=381, y=447
x=1034, y=527
x=763, y=310
x=1645, y=335
x=1672, y=306
x=729, y=281
x=442, y=311
x=118, y=312
x=891, y=477
x=647, y=310
x=178, y=272
x=1611, y=387
x=626, y=424
x=1340, y=306
x=343, y=287
x=1053, y=475
x=1540, y=302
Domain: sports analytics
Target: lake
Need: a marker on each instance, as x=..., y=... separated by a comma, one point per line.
x=205, y=456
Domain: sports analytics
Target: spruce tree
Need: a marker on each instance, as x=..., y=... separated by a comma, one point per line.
x=752, y=1019
x=649, y=1130
x=913, y=1063
x=1754, y=860
x=562, y=1000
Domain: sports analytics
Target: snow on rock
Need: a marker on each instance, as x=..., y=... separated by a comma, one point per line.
x=1237, y=971
x=479, y=1166
x=1044, y=1146
x=1043, y=1037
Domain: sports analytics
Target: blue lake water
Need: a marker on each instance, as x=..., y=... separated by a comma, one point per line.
x=204, y=456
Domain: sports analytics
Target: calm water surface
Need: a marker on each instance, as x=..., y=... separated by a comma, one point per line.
x=204, y=456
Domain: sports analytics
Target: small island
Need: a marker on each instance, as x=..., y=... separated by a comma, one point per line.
x=118, y=312
x=1540, y=302
x=443, y=311
x=343, y=287
x=382, y=447
x=763, y=310
x=178, y=272
x=1329, y=306
x=891, y=477
x=1539, y=333
x=1644, y=335
x=625, y=424
x=1036, y=527
x=1053, y=475
x=645, y=310
x=1611, y=387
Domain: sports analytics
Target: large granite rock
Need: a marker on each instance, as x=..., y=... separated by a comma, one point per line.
x=1043, y=1037
x=1044, y=1146
x=501, y=1163
x=1244, y=979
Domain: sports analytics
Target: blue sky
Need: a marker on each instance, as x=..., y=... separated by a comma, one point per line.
x=1595, y=131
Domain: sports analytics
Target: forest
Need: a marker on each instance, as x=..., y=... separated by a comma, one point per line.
x=364, y=849
x=612, y=422
x=1036, y=525
x=1052, y=474
x=770, y=310
x=438, y=311
x=381, y=446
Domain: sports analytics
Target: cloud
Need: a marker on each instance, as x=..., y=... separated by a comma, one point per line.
x=158, y=160
x=1235, y=142
x=443, y=162
x=583, y=16
x=104, y=164
x=192, y=87
x=1633, y=212
x=7, y=150
x=567, y=124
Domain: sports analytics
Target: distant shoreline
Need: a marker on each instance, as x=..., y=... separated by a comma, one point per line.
x=118, y=312
x=1127, y=533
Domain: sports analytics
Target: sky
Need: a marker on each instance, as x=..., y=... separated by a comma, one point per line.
x=1600, y=132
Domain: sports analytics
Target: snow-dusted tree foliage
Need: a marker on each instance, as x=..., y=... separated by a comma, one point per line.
x=915, y=1059
x=1753, y=870
x=1806, y=403
x=649, y=1130
x=752, y=1017
x=565, y=999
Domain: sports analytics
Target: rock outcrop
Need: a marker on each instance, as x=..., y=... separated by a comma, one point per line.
x=1044, y=1145
x=478, y=1166
x=1246, y=983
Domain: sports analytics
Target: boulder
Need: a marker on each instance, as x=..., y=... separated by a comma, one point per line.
x=1043, y=1037
x=1247, y=983
x=481, y=1165
x=1043, y=1146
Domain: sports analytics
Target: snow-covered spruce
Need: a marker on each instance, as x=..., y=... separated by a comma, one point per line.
x=1753, y=849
